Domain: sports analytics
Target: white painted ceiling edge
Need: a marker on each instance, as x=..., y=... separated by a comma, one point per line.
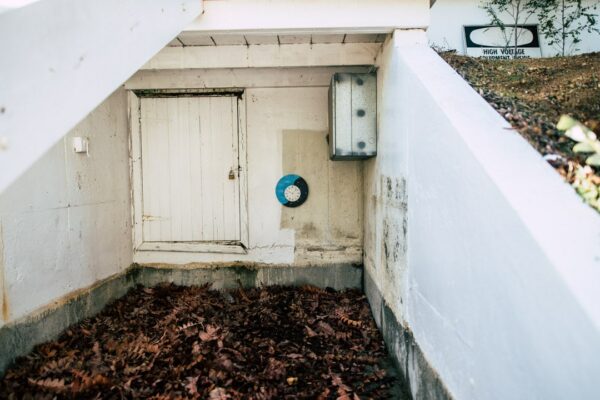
x=61, y=58
x=323, y=16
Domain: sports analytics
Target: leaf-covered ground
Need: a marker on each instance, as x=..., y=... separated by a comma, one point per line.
x=172, y=342
x=532, y=94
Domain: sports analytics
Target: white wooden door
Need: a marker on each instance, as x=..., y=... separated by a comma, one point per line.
x=190, y=169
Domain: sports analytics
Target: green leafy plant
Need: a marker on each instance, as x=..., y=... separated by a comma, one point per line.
x=517, y=12
x=585, y=182
x=562, y=22
x=586, y=139
x=585, y=186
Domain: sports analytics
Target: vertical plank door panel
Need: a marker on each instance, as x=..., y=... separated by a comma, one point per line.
x=189, y=147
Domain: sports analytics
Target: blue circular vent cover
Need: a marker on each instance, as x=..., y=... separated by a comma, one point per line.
x=291, y=190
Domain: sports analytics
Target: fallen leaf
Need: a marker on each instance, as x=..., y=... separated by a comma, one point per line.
x=218, y=394
x=192, y=386
x=292, y=380
x=210, y=334
x=309, y=331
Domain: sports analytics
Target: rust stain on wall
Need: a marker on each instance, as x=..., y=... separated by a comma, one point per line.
x=330, y=221
x=333, y=210
x=5, y=310
x=4, y=298
x=305, y=153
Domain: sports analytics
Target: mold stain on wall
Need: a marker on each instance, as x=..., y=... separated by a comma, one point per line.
x=330, y=221
x=395, y=225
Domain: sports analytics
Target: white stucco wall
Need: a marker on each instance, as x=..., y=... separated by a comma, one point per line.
x=65, y=223
x=385, y=180
x=500, y=297
x=449, y=16
x=286, y=129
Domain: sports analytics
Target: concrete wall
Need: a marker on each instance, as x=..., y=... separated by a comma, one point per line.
x=286, y=123
x=449, y=16
x=65, y=223
x=480, y=262
x=385, y=180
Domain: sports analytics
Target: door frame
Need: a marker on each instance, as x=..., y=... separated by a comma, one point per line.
x=135, y=158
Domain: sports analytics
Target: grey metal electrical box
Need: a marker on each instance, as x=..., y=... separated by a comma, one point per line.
x=352, y=116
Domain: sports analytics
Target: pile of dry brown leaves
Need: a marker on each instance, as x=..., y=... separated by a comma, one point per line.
x=172, y=342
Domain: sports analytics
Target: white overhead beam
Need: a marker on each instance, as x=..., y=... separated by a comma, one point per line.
x=237, y=77
x=61, y=58
x=334, y=16
x=265, y=56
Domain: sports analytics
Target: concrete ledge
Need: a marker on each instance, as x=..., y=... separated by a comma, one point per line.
x=19, y=337
x=337, y=276
x=421, y=381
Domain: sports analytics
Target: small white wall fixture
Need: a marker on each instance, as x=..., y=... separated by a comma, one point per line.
x=61, y=58
x=80, y=145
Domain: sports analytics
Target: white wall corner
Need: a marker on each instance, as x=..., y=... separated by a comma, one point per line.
x=410, y=37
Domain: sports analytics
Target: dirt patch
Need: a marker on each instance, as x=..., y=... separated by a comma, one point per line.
x=532, y=94
x=549, y=87
x=174, y=342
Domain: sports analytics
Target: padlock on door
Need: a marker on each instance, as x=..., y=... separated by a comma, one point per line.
x=231, y=174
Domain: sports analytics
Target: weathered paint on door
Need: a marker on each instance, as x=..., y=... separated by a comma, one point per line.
x=190, y=169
